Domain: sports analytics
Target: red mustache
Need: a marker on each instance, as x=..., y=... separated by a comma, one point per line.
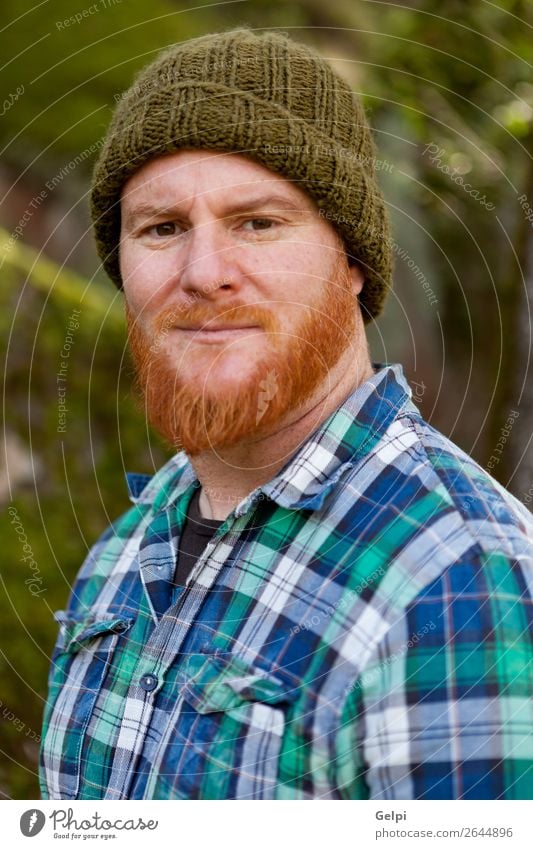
x=236, y=316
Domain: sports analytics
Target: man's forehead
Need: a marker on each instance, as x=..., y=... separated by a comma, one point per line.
x=199, y=172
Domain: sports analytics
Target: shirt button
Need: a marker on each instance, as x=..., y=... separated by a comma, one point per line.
x=247, y=693
x=148, y=682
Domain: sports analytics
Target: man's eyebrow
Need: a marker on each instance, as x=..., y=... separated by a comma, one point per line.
x=148, y=210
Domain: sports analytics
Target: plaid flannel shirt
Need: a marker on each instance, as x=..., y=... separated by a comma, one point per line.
x=358, y=627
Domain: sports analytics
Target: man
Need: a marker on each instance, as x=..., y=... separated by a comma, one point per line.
x=319, y=596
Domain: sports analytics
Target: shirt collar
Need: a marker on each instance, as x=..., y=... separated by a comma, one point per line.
x=340, y=442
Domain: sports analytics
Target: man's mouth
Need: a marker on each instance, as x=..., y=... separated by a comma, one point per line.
x=217, y=332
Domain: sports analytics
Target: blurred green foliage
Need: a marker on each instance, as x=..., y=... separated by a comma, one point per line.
x=73, y=70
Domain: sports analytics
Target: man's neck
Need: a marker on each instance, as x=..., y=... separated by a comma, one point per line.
x=228, y=475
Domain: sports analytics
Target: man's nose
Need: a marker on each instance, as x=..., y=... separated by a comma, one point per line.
x=208, y=261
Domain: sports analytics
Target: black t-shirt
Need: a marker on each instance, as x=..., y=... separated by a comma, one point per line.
x=195, y=535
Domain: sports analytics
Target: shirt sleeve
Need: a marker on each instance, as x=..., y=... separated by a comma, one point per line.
x=444, y=707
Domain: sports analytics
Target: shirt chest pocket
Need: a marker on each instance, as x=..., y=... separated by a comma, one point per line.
x=231, y=723
x=80, y=661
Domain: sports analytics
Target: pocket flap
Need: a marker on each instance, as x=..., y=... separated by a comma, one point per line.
x=223, y=682
x=79, y=629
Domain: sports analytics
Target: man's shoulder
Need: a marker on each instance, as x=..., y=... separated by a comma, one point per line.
x=148, y=494
x=419, y=520
x=415, y=475
x=152, y=489
x=476, y=495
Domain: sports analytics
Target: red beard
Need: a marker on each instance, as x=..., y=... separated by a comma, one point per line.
x=199, y=418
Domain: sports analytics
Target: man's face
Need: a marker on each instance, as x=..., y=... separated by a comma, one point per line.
x=239, y=298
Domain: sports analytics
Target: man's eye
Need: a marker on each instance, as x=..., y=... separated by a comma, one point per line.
x=166, y=228
x=259, y=223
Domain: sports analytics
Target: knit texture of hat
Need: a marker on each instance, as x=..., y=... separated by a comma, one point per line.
x=267, y=97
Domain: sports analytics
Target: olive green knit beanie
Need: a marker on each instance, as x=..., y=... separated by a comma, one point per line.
x=269, y=98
